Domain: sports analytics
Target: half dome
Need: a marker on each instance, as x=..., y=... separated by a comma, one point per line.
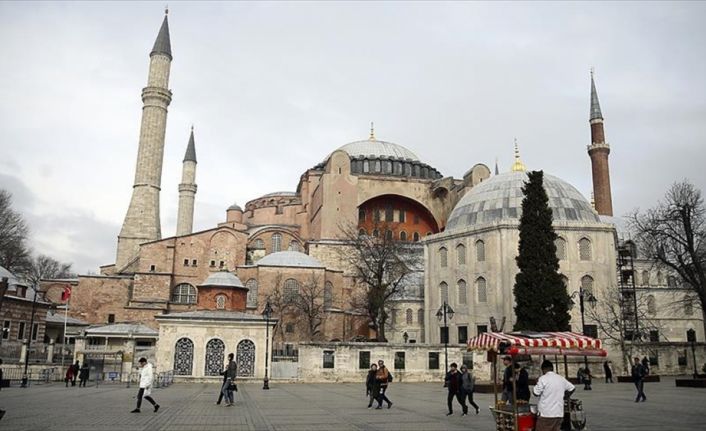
x=500, y=198
x=291, y=259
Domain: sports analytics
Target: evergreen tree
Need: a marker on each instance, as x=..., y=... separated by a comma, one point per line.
x=542, y=303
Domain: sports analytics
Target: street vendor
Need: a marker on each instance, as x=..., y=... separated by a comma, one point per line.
x=522, y=382
x=551, y=389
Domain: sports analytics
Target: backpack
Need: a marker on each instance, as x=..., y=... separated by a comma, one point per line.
x=389, y=377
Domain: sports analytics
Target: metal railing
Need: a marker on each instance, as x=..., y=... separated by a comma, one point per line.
x=15, y=375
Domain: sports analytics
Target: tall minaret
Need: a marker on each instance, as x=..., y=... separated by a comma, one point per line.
x=599, y=151
x=187, y=190
x=142, y=222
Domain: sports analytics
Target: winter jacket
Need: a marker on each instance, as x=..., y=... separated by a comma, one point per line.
x=382, y=376
x=146, y=376
x=467, y=382
x=371, y=383
x=453, y=382
x=231, y=370
x=83, y=373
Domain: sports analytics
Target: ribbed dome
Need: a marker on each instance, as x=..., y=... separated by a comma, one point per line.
x=223, y=279
x=376, y=149
x=290, y=258
x=500, y=198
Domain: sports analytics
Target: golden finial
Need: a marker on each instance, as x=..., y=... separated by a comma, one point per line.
x=192, y=127
x=592, y=70
x=372, y=131
x=166, y=9
x=518, y=166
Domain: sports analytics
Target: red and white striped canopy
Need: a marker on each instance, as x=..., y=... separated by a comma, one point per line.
x=529, y=340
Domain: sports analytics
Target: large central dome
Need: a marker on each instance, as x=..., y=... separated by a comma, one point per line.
x=500, y=198
x=376, y=149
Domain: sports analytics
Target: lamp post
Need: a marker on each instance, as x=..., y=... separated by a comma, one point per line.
x=691, y=338
x=267, y=313
x=29, y=339
x=445, y=313
x=584, y=294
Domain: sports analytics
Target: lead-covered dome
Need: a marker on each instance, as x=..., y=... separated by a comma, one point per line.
x=291, y=259
x=500, y=198
x=223, y=279
x=377, y=149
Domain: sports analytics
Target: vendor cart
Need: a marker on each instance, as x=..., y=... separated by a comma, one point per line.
x=522, y=345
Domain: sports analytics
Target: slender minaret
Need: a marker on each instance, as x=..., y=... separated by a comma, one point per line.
x=142, y=219
x=187, y=190
x=599, y=151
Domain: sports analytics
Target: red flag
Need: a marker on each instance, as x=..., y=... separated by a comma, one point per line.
x=66, y=294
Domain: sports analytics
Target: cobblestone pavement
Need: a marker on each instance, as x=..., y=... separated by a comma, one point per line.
x=417, y=406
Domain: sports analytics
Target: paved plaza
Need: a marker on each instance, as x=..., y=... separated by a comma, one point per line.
x=417, y=406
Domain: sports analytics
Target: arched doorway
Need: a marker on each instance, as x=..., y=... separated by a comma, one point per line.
x=245, y=358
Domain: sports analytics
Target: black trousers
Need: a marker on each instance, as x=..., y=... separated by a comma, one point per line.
x=382, y=397
x=640, y=386
x=459, y=398
x=468, y=395
x=220, y=393
x=140, y=393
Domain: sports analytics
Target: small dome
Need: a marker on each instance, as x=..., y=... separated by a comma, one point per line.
x=290, y=258
x=223, y=279
x=500, y=198
x=377, y=149
x=235, y=207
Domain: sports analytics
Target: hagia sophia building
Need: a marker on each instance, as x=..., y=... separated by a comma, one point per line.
x=194, y=287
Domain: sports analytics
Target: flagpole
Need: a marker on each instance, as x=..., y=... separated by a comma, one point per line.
x=63, y=344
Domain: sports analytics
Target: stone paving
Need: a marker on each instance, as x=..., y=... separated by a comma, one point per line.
x=417, y=406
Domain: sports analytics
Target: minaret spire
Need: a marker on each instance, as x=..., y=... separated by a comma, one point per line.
x=372, y=131
x=142, y=221
x=497, y=171
x=518, y=166
x=187, y=189
x=598, y=151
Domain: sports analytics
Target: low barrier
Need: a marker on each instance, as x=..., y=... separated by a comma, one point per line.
x=14, y=376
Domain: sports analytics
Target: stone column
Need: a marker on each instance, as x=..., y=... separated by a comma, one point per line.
x=50, y=352
x=23, y=352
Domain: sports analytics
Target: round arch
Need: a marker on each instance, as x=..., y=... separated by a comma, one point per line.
x=399, y=212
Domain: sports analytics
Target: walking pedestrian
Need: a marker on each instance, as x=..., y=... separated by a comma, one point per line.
x=220, y=390
x=83, y=374
x=551, y=389
x=520, y=380
x=229, y=384
x=146, y=378
x=468, y=383
x=383, y=377
x=69, y=375
x=587, y=379
x=453, y=383
x=76, y=367
x=638, y=377
x=608, y=372
x=372, y=387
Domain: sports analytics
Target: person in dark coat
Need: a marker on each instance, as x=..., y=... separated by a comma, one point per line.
x=383, y=380
x=468, y=383
x=454, y=384
x=83, y=375
x=638, y=377
x=69, y=375
x=608, y=372
x=220, y=393
x=587, y=379
x=230, y=374
x=372, y=387
x=76, y=368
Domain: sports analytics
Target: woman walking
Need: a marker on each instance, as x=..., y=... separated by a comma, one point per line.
x=608, y=372
x=227, y=388
x=372, y=387
x=467, y=387
x=83, y=375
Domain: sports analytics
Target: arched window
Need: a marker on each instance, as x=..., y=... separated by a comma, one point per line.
x=587, y=284
x=294, y=245
x=671, y=281
x=443, y=292
x=560, y=248
x=328, y=295
x=482, y=289
x=480, y=251
x=660, y=278
x=462, y=294
x=415, y=237
x=376, y=233
x=184, y=293
x=585, y=249
x=361, y=215
x=632, y=248
x=645, y=278
x=258, y=244
x=688, y=307
x=215, y=349
x=461, y=254
x=291, y=289
x=651, y=304
x=245, y=358
x=442, y=257
x=388, y=235
x=403, y=236
x=220, y=302
x=409, y=314
x=362, y=232
x=183, y=357
x=276, y=242
x=252, y=292
x=420, y=316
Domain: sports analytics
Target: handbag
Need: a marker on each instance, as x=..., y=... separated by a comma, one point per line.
x=233, y=387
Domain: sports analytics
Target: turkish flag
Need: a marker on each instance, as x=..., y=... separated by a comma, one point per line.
x=66, y=294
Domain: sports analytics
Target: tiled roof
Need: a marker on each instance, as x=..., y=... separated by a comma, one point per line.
x=122, y=329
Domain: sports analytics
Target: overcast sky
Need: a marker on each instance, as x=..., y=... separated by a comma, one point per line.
x=272, y=88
